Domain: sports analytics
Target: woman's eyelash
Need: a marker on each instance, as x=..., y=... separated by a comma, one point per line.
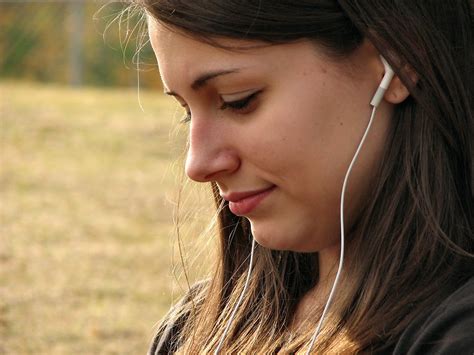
x=240, y=104
x=186, y=118
x=237, y=105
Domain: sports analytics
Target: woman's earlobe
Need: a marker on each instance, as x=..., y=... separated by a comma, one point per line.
x=397, y=91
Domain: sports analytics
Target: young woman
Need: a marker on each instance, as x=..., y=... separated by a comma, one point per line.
x=361, y=208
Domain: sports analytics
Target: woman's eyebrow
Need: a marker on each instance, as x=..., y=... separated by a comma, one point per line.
x=204, y=78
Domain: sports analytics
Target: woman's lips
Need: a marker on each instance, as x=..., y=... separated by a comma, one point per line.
x=243, y=203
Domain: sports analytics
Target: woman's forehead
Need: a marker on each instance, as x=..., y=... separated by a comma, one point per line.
x=186, y=58
x=176, y=45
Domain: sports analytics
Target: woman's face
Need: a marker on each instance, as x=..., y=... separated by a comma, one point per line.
x=276, y=128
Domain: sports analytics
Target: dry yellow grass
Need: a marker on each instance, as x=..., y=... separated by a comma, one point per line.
x=85, y=219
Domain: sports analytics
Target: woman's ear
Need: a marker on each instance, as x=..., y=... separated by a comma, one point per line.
x=397, y=92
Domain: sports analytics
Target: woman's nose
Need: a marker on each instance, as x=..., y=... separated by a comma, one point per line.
x=209, y=155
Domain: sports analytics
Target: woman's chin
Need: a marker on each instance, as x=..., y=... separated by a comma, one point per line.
x=275, y=240
x=285, y=239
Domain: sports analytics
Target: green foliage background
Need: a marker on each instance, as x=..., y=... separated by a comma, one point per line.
x=35, y=44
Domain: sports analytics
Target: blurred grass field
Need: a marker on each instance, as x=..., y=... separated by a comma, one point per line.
x=87, y=190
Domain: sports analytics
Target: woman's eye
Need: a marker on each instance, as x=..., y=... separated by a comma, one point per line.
x=186, y=118
x=241, y=105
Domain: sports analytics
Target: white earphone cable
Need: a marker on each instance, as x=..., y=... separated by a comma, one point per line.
x=341, y=257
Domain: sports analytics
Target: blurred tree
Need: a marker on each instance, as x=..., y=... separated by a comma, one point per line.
x=35, y=44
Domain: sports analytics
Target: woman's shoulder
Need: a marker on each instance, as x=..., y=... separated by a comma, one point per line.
x=448, y=329
x=166, y=338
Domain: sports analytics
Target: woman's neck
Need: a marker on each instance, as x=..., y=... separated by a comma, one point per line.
x=316, y=297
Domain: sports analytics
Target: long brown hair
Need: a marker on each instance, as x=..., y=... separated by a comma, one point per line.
x=414, y=238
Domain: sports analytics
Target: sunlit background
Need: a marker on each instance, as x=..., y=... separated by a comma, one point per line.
x=90, y=156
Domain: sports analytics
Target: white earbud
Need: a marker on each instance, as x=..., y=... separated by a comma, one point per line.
x=387, y=78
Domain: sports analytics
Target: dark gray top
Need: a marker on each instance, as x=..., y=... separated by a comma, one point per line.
x=449, y=329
